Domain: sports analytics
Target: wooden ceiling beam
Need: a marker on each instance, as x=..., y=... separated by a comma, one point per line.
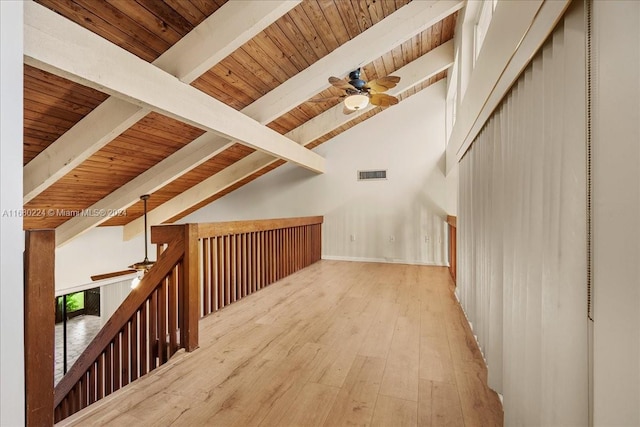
x=373, y=43
x=261, y=110
x=215, y=38
x=59, y=46
x=187, y=158
x=411, y=75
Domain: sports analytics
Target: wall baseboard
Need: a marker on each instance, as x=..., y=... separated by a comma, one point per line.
x=383, y=260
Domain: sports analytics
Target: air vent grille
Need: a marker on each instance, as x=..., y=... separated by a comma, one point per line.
x=372, y=175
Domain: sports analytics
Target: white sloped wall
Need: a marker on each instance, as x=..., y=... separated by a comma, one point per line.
x=400, y=219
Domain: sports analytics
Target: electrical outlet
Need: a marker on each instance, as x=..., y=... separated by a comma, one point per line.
x=426, y=239
x=353, y=237
x=392, y=238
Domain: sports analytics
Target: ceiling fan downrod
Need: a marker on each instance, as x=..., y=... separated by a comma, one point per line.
x=145, y=265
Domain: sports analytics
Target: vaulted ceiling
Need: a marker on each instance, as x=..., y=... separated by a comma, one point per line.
x=191, y=100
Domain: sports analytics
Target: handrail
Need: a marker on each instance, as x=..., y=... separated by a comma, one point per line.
x=86, y=363
x=214, y=229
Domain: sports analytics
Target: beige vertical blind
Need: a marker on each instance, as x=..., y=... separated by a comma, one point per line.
x=522, y=237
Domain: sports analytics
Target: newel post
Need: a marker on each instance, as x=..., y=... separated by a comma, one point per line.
x=190, y=290
x=39, y=325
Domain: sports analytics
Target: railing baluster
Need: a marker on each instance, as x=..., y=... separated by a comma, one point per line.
x=124, y=368
x=82, y=390
x=263, y=263
x=243, y=258
x=220, y=265
x=213, y=272
x=116, y=363
x=91, y=385
x=227, y=270
x=172, y=301
x=162, y=323
x=144, y=340
x=100, y=377
x=206, y=276
x=133, y=345
x=179, y=329
x=108, y=360
x=153, y=330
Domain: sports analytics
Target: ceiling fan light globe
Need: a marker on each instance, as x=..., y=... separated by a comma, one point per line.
x=135, y=282
x=356, y=102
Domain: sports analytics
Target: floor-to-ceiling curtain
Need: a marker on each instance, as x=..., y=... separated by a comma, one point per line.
x=522, y=236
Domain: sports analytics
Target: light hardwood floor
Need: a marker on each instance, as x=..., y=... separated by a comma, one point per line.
x=336, y=344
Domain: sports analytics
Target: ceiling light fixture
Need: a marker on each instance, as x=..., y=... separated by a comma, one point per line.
x=136, y=281
x=356, y=102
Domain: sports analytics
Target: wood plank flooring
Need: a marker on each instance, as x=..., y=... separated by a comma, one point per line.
x=336, y=344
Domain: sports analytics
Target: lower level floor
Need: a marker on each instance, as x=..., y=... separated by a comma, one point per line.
x=338, y=343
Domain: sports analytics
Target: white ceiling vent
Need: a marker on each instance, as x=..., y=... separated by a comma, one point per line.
x=372, y=175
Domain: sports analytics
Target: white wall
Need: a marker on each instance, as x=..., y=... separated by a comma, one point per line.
x=616, y=210
x=410, y=206
x=100, y=250
x=111, y=297
x=12, y=244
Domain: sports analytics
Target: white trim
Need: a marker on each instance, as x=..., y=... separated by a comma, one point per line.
x=381, y=260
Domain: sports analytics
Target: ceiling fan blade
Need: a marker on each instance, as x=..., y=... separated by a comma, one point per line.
x=345, y=110
x=383, y=84
x=340, y=83
x=383, y=100
x=112, y=274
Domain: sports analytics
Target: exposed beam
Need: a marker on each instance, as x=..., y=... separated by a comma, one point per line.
x=184, y=160
x=216, y=37
x=411, y=75
x=267, y=107
x=89, y=135
x=373, y=43
x=59, y=46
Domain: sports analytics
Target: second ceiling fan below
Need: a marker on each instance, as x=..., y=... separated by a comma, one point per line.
x=359, y=93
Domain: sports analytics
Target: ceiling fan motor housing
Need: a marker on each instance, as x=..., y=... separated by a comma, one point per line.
x=355, y=80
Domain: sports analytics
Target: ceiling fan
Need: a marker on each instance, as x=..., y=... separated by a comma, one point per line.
x=359, y=93
x=140, y=267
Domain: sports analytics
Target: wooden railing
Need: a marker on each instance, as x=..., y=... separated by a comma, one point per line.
x=239, y=258
x=453, y=262
x=200, y=269
x=143, y=333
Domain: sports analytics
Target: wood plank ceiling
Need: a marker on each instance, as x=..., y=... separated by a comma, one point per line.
x=147, y=28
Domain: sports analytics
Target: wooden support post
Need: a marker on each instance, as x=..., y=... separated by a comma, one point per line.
x=452, y=221
x=190, y=288
x=39, y=325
